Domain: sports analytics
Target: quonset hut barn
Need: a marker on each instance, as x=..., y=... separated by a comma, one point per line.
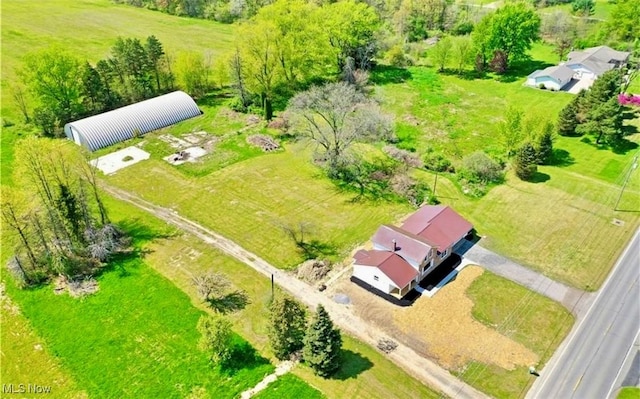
x=112, y=127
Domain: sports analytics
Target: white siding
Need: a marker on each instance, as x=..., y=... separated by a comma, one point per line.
x=368, y=274
x=112, y=127
x=582, y=72
x=548, y=82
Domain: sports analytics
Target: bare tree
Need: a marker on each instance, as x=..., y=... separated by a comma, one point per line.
x=336, y=115
x=20, y=97
x=210, y=285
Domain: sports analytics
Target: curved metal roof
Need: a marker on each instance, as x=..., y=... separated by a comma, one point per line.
x=111, y=127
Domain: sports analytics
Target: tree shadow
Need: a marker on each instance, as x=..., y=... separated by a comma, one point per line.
x=243, y=357
x=316, y=249
x=140, y=232
x=522, y=69
x=539, y=177
x=623, y=146
x=561, y=157
x=387, y=74
x=216, y=98
x=466, y=74
x=231, y=302
x=352, y=365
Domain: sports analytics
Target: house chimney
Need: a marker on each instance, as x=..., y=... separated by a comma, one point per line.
x=394, y=245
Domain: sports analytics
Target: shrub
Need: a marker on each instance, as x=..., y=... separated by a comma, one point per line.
x=127, y=158
x=463, y=28
x=406, y=157
x=480, y=168
x=437, y=162
x=396, y=56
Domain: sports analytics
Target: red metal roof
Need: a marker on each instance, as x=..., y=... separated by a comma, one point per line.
x=407, y=245
x=440, y=225
x=391, y=264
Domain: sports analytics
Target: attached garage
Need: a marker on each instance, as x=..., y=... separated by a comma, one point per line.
x=121, y=124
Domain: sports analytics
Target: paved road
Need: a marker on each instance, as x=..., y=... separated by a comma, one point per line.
x=590, y=361
x=577, y=301
x=414, y=364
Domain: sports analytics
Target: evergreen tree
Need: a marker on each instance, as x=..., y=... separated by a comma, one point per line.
x=545, y=144
x=605, y=122
x=287, y=324
x=604, y=88
x=525, y=162
x=568, y=119
x=322, y=344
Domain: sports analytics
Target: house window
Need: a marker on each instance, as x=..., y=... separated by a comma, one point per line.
x=445, y=253
x=376, y=278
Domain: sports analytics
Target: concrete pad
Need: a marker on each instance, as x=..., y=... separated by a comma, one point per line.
x=187, y=155
x=115, y=161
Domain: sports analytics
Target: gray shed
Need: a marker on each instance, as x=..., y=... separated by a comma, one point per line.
x=118, y=125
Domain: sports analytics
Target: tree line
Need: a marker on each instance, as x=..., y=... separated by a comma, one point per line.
x=62, y=226
x=63, y=88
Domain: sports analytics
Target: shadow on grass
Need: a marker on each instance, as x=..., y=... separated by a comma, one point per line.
x=466, y=74
x=539, y=177
x=243, y=357
x=140, y=232
x=352, y=365
x=387, y=74
x=215, y=99
x=561, y=157
x=623, y=146
x=316, y=249
x=522, y=69
x=231, y=302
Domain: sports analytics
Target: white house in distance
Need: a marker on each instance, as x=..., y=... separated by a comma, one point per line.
x=402, y=256
x=552, y=78
x=585, y=65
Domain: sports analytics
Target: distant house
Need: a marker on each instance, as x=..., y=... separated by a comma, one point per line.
x=584, y=66
x=402, y=256
x=593, y=62
x=552, y=78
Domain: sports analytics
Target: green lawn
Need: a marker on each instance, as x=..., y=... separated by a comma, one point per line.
x=365, y=372
x=289, y=386
x=526, y=317
x=249, y=200
x=19, y=342
x=602, y=9
x=136, y=337
x=629, y=393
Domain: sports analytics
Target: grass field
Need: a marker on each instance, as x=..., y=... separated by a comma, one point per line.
x=629, y=393
x=135, y=338
x=248, y=201
x=289, y=386
x=19, y=342
x=526, y=317
x=365, y=372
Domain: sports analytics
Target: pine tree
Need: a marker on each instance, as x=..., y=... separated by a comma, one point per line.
x=287, y=324
x=322, y=344
x=545, y=144
x=525, y=162
x=568, y=119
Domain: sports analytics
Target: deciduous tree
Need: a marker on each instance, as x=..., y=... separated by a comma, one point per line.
x=216, y=337
x=336, y=115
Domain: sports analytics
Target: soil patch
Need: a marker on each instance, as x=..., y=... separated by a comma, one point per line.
x=440, y=327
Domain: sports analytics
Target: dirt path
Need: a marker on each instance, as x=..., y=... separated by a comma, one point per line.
x=281, y=369
x=419, y=367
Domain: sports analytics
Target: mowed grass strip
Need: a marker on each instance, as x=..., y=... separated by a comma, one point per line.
x=289, y=386
x=136, y=337
x=365, y=372
x=250, y=200
x=526, y=317
x=26, y=359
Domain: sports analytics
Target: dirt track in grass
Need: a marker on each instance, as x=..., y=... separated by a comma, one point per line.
x=442, y=327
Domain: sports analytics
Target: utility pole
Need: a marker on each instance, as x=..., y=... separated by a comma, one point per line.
x=634, y=165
